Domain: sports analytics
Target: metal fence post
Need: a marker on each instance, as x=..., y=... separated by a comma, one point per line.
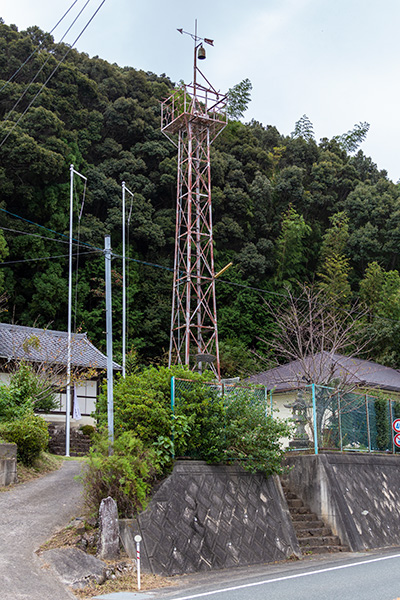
x=368, y=427
x=173, y=414
x=340, y=421
x=314, y=418
x=391, y=426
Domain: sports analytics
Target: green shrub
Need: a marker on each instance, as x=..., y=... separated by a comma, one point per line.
x=204, y=410
x=88, y=430
x=142, y=402
x=26, y=385
x=250, y=437
x=9, y=407
x=126, y=475
x=31, y=435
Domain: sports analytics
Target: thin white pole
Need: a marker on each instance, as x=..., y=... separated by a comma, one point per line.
x=68, y=389
x=110, y=397
x=123, y=286
x=138, y=539
x=124, y=189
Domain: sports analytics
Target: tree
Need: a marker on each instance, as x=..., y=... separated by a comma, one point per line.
x=238, y=99
x=310, y=330
x=335, y=266
x=313, y=334
x=354, y=137
x=380, y=294
x=303, y=129
x=290, y=247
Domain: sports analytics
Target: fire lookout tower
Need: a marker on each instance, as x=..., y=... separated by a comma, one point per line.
x=192, y=117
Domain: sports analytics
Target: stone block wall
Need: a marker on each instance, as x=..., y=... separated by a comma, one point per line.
x=358, y=495
x=79, y=443
x=207, y=517
x=8, y=464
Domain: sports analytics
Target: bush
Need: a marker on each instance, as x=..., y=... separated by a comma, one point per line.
x=29, y=433
x=88, y=430
x=142, y=403
x=250, y=437
x=127, y=475
x=204, y=410
x=9, y=408
x=28, y=386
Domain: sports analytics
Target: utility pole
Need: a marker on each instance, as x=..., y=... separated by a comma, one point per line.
x=192, y=117
x=110, y=395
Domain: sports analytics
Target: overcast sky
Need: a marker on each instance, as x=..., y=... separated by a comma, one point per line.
x=337, y=61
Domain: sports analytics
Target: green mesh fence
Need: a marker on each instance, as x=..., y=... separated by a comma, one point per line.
x=323, y=417
x=204, y=398
x=222, y=390
x=344, y=421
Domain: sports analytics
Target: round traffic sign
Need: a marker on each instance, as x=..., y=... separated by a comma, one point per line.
x=396, y=440
x=396, y=425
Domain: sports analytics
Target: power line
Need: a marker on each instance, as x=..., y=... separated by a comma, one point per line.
x=36, y=49
x=42, y=237
x=47, y=229
x=96, y=250
x=26, y=260
x=51, y=75
x=43, y=65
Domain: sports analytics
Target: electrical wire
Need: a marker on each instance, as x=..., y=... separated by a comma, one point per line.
x=47, y=229
x=36, y=49
x=26, y=260
x=51, y=75
x=96, y=250
x=23, y=94
x=42, y=237
x=77, y=254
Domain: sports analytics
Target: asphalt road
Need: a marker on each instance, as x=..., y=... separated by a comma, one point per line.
x=361, y=576
x=29, y=514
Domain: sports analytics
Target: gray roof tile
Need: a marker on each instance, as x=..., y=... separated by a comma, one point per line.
x=325, y=367
x=44, y=345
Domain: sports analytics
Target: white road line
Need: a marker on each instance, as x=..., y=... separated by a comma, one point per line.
x=276, y=579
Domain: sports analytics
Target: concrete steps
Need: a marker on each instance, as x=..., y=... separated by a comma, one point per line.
x=313, y=535
x=79, y=443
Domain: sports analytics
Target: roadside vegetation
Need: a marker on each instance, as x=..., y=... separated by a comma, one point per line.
x=149, y=436
x=25, y=394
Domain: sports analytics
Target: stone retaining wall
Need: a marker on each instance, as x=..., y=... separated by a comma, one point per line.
x=8, y=464
x=210, y=517
x=357, y=494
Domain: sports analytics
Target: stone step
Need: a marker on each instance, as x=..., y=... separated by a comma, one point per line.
x=308, y=516
x=315, y=532
x=329, y=540
x=301, y=510
x=294, y=503
x=290, y=495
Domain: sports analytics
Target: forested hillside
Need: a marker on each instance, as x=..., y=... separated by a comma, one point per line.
x=286, y=209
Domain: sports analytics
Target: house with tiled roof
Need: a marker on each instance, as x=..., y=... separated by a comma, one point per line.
x=49, y=349
x=336, y=385
x=324, y=368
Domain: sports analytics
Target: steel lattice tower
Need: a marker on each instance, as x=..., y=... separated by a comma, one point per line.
x=192, y=117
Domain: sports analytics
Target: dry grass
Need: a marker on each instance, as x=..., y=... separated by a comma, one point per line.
x=43, y=465
x=68, y=536
x=124, y=581
x=127, y=582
